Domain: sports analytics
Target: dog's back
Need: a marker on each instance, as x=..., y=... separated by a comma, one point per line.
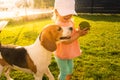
x=14, y=56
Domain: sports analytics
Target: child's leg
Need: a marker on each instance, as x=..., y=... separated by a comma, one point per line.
x=70, y=66
x=63, y=66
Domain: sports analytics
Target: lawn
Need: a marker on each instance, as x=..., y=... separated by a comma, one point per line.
x=100, y=59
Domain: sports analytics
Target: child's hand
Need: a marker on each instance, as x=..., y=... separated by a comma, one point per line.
x=83, y=31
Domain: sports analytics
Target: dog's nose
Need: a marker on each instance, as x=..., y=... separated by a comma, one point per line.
x=70, y=28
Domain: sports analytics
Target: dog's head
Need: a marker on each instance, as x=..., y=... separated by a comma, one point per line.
x=53, y=33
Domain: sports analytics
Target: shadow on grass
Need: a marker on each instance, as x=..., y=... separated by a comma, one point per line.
x=100, y=17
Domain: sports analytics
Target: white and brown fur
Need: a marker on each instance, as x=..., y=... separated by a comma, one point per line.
x=34, y=58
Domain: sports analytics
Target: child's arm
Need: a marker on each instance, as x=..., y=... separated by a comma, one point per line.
x=76, y=35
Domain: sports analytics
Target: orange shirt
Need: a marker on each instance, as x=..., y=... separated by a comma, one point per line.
x=68, y=51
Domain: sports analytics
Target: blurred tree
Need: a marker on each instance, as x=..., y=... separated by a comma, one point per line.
x=24, y=3
x=44, y=3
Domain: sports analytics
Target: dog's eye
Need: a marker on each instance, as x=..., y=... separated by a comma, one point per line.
x=59, y=29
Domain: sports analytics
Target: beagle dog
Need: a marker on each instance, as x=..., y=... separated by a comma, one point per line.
x=34, y=58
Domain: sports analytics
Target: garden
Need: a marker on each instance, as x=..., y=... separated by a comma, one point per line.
x=100, y=59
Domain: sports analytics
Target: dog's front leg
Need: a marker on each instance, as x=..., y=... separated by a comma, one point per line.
x=7, y=73
x=38, y=76
x=1, y=70
x=49, y=74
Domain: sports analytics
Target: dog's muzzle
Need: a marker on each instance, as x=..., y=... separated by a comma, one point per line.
x=67, y=31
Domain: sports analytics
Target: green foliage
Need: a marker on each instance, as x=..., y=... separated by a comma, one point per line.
x=23, y=32
x=19, y=75
x=100, y=59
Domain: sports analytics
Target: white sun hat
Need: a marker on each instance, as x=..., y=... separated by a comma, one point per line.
x=65, y=7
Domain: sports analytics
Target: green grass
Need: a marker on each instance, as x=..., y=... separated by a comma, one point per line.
x=100, y=59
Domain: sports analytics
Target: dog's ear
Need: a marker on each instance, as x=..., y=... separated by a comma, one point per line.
x=47, y=41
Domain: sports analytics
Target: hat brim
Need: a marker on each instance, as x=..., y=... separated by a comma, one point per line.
x=65, y=12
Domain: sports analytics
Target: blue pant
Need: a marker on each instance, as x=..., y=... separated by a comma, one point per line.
x=65, y=66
